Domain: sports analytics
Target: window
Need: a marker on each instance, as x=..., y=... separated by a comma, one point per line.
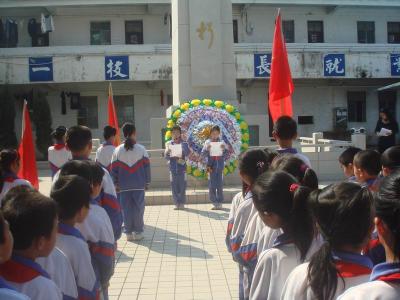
x=393, y=29
x=125, y=109
x=357, y=106
x=235, y=32
x=254, y=132
x=133, y=32
x=305, y=120
x=315, y=31
x=170, y=100
x=88, y=114
x=288, y=30
x=40, y=39
x=366, y=32
x=100, y=33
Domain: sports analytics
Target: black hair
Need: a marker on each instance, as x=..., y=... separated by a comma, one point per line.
x=297, y=168
x=369, y=161
x=109, y=131
x=387, y=205
x=344, y=214
x=215, y=128
x=391, y=158
x=347, y=156
x=30, y=214
x=128, y=129
x=63, y=188
x=97, y=172
x=272, y=193
x=78, y=137
x=59, y=133
x=2, y=227
x=177, y=127
x=77, y=167
x=388, y=113
x=254, y=162
x=285, y=128
x=7, y=158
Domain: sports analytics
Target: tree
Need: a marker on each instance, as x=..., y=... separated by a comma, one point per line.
x=8, y=138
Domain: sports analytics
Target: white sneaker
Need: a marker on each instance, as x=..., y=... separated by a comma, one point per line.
x=215, y=207
x=182, y=206
x=220, y=206
x=176, y=207
x=138, y=237
x=130, y=237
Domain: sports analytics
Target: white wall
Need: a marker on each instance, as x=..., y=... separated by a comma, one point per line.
x=340, y=24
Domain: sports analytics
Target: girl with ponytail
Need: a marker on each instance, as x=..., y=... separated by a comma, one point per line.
x=130, y=169
x=385, y=278
x=252, y=164
x=282, y=205
x=344, y=216
x=9, y=167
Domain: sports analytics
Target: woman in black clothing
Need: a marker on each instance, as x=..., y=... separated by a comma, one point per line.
x=388, y=122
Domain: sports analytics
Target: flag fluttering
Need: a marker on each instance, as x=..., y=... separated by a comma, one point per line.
x=280, y=85
x=112, y=115
x=26, y=151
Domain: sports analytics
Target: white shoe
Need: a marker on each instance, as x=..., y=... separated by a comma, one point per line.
x=176, y=207
x=182, y=206
x=215, y=207
x=130, y=237
x=138, y=237
x=220, y=206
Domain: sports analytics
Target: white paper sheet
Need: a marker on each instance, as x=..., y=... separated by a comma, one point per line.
x=216, y=149
x=176, y=150
x=384, y=132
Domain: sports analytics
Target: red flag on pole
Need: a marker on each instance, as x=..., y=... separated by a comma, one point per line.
x=112, y=115
x=26, y=151
x=280, y=84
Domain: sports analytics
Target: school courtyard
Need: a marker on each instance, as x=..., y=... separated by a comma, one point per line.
x=183, y=256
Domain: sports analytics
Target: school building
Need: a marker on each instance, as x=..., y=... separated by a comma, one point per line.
x=344, y=57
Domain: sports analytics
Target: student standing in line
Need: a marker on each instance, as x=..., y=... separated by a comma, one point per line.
x=344, y=215
x=106, y=150
x=385, y=278
x=130, y=169
x=58, y=154
x=177, y=167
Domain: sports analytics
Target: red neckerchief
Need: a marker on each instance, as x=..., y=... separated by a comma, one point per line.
x=387, y=272
x=59, y=146
x=20, y=270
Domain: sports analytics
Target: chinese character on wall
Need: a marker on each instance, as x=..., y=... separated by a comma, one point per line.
x=206, y=28
x=262, y=65
x=334, y=65
x=395, y=64
x=40, y=69
x=116, y=67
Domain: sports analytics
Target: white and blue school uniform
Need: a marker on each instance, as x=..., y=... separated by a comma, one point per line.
x=11, y=180
x=216, y=176
x=375, y=250
x=354, y=269
x=97, y=231
x=108, y=201
x=104, y=154
x=241, y=220
x=29, y=278
x=294, y=151
x=71, y=242
x=275, y=264
x=177, y=171
x=58, y=266
x=237, y=199
x=58, y=155
x=130, y=170
x=267, y=238
x=384, y=284
x=9, y=293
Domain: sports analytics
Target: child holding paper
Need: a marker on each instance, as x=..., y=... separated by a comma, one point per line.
x=214, y=148
x=176, y=151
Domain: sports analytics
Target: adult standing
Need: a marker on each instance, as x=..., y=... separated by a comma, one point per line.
x=386, y=138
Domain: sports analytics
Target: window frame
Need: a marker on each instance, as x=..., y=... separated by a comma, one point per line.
x=95, y=118
x=92, y=31
x=140, y=33
x=396, y=40
x=119, y=111
x=353, y=99
x=309, y=32
x=235, y=28
x=293, y=37
x=366, y=32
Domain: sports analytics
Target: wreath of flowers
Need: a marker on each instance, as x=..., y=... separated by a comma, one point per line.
x=196, y=119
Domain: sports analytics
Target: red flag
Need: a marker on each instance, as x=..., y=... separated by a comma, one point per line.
x=26, y=151
x=112, y=115
x=280, y=84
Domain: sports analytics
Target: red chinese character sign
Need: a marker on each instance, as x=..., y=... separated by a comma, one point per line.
x=196, y=118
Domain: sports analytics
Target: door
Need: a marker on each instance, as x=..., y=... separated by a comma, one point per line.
x=387, y=100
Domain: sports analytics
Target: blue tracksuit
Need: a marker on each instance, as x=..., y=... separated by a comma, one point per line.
x=216, y=176
x=130, y=170
x=177, y=170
